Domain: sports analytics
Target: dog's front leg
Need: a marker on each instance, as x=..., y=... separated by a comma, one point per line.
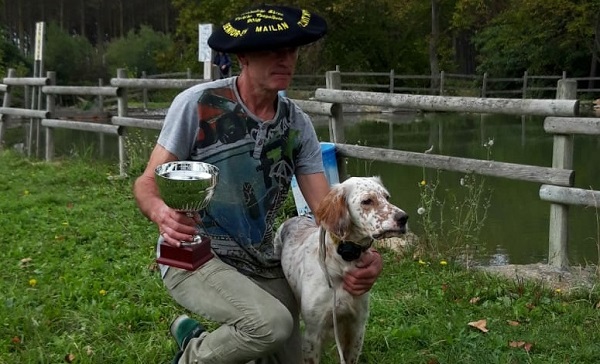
x=352, y=345
x=312, y=342
x=352, y=331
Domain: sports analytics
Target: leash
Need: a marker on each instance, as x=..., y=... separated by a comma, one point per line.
x=322, y=257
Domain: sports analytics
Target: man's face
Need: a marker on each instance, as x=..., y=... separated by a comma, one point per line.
x=271, y=70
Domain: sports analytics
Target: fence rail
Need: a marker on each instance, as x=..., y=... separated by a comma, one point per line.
x=520, y=172
x=561, y=121
x=452, y=103
x=451, y=84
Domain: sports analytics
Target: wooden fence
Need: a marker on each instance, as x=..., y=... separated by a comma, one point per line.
x=527, y=86
x=561, y=121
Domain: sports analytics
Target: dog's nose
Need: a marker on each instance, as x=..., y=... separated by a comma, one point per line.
x=401, y=218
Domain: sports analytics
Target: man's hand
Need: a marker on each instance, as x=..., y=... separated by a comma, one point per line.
x=176, y=227
x=360, y=280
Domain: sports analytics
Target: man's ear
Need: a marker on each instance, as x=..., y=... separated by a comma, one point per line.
x=242, y=59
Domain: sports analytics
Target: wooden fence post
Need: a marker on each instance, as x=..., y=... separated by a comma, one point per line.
x=333, y=80
x=50, y=107
x=100, y=97
x=122, y=112
x=442, y=76
x=101, y=109
x=144, y=92
x=562, y=157
x=524, y=85
x=392, y=81
x=484, y=85
x=5, y=103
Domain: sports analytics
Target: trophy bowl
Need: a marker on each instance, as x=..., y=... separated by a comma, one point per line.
x=186, y=187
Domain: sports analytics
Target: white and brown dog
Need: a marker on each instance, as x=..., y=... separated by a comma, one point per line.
x=352, y=215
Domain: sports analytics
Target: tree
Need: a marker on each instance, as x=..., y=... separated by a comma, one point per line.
x=11, y=57
x=138, y=51
x=72, y=57
x=561, y=37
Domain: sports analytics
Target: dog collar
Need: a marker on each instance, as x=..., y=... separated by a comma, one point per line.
x=350, y=251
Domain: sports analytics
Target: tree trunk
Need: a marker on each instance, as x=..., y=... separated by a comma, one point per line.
x=100, y=25
x=61, y=14
x=121, y=21
x=166, y=5
x=595, y=52
x=82, y=17
x=21, y=29
x=433, y=45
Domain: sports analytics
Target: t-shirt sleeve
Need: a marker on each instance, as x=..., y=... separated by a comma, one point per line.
x=180, y=127
x=308, y=159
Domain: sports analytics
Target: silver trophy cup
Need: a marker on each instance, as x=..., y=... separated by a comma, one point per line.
x=187, y=187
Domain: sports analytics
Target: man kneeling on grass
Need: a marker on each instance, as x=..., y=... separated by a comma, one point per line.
x=259, y=140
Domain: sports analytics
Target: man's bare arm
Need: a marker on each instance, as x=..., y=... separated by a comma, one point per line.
x=314, y=187
x=173, y=226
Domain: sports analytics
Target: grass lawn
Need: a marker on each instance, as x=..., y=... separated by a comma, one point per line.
x=79, y=285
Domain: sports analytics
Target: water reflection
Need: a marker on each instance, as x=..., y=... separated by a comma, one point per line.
x=499, y=257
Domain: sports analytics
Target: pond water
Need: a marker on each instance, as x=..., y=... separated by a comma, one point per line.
x=517, y=224
x=516, y=228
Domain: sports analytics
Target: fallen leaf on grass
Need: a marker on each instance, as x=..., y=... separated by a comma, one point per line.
x=15, y=340
x=480, y=325
x=69, y=358
x=153, y=267
x=521, y=344
x=513, y=323
x=25, y=262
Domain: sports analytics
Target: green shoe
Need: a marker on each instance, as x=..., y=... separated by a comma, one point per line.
x=183, y=329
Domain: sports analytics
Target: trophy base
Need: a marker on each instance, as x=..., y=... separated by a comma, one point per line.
x=186, y=257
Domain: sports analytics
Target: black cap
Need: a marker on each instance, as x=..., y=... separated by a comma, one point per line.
x=268, y=27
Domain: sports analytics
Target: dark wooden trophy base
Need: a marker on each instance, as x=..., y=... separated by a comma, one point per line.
x=186, y=257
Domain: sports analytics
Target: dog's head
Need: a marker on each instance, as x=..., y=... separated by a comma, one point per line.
x=358, y=210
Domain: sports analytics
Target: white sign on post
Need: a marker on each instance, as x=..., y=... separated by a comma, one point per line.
x=40, y=29
x=204, y=51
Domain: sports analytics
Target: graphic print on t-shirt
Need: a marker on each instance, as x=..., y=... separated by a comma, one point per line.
x=255, y=161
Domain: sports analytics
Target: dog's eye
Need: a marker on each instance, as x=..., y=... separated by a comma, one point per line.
x=367, y=201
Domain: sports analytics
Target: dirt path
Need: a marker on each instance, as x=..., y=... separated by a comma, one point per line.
x=566, y=280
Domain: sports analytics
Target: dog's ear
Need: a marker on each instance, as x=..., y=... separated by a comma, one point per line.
x=333, y=213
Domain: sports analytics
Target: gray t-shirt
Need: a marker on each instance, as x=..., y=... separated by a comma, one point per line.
x=256, y=160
